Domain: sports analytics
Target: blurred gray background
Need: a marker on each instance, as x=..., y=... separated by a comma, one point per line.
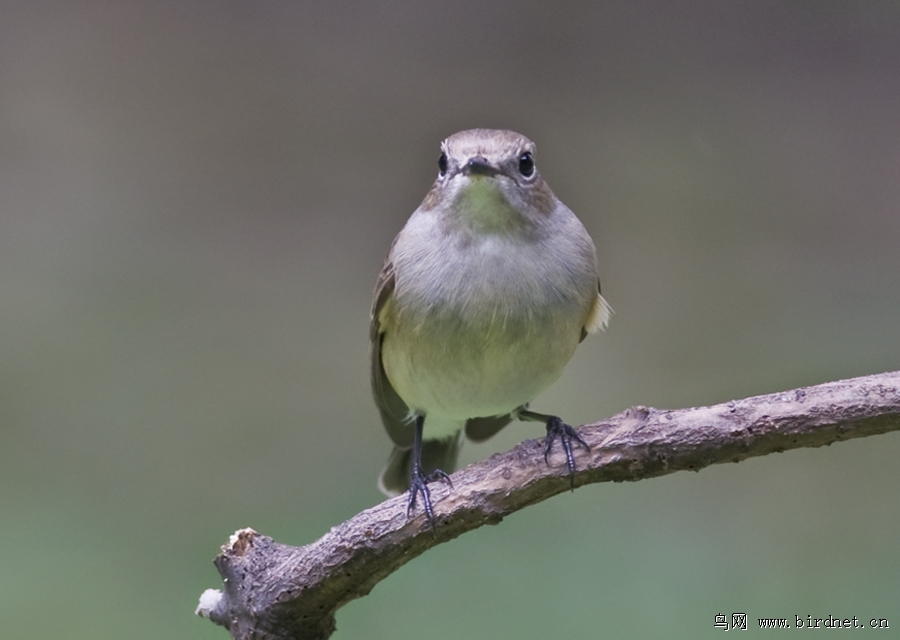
x=196, y=197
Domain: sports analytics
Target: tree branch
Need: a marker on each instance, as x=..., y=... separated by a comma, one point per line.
x=274, y=591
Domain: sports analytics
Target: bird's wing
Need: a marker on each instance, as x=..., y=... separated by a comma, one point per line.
x=598, y=317
x=394, y=412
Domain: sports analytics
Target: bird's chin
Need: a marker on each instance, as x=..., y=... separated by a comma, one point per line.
x=483, y=206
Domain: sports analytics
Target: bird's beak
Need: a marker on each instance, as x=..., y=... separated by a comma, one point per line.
x=479, y=166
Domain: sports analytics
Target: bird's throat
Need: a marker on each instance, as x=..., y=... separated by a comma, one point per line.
x=483, y=208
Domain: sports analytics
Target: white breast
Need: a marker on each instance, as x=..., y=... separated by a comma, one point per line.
x=478, y=327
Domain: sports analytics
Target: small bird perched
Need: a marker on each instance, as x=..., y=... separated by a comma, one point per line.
x=484, y=296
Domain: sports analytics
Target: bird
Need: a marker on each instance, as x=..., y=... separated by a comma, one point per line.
x=482, y=300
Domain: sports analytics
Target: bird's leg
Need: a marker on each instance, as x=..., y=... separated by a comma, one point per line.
x=419, y=483
x=556, y=429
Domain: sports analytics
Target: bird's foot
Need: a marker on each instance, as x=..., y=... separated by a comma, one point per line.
x=557, y=429
x=418, y=484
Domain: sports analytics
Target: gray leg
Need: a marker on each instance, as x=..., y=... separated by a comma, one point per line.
x=419, y=484
x=556, y=428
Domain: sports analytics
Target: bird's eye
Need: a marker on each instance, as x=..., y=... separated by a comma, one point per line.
x=526, y=164
x=442, y=164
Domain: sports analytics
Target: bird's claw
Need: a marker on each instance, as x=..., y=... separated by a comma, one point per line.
x=419, y=485
x=557, y=429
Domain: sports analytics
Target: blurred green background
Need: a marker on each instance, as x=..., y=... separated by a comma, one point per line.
x=196, y=197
